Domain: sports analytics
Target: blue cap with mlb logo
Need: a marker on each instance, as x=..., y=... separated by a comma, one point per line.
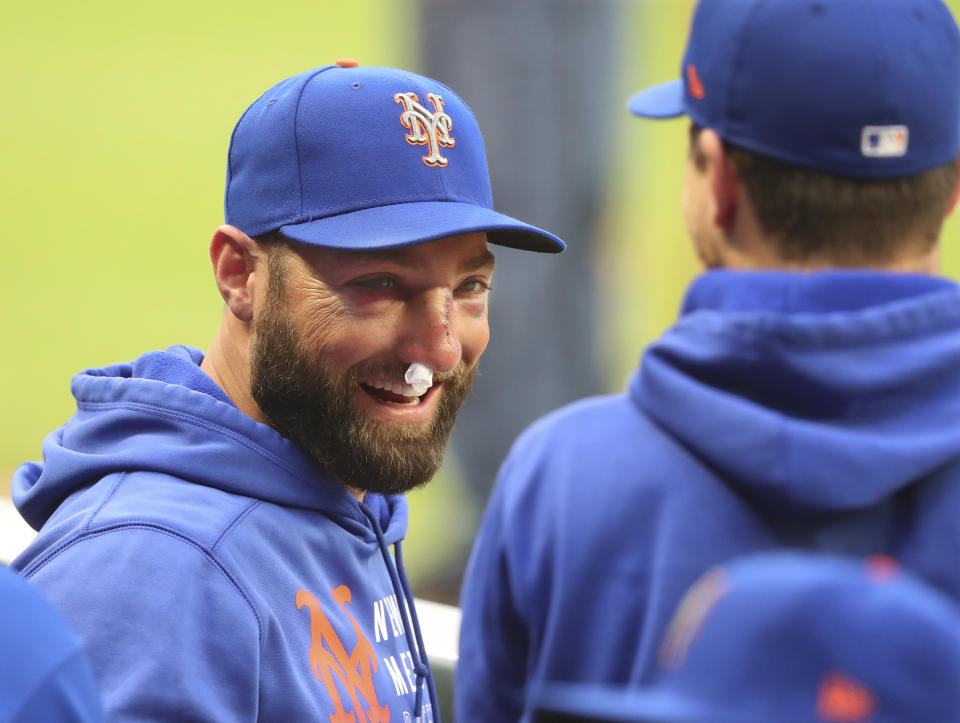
x=363, y=158
x=794, y=638
x=860, y=88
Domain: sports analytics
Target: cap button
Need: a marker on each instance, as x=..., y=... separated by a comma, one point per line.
x=347, y=63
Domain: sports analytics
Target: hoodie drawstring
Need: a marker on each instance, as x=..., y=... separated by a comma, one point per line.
x=416, y=629
x=421, y=667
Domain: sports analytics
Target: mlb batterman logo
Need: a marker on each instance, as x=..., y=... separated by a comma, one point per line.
x=884, y=141
x=426, y=129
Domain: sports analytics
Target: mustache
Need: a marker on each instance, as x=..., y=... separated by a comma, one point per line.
x=373, y=370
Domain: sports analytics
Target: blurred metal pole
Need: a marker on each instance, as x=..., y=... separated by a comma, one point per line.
x=539, y=75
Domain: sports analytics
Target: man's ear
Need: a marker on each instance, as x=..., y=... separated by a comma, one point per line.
x=234, y=256
x=956, y=192
x=722, y=177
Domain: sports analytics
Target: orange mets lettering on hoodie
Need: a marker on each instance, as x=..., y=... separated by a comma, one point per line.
x=329, y=659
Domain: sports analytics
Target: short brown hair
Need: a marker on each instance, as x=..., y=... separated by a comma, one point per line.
x=847, y=221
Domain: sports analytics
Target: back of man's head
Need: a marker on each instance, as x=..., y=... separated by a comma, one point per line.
x=809, y=214
x=841, y=117
x=791, y=636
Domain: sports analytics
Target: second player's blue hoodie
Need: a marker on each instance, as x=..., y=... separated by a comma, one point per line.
x=212, y=571
x=781, y=410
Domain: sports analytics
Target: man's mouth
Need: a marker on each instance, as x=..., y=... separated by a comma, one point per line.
x=393, y=392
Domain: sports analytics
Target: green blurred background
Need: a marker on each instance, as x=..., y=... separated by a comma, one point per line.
x=115, y=124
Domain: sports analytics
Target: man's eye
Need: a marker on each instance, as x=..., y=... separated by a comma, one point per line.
x=475, y=286
x=377, y=283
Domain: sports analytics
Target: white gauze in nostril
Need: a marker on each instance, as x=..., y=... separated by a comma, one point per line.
x=420, y=377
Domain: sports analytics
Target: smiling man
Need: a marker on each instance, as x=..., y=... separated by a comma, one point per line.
x=331, y=342
x=217, y=526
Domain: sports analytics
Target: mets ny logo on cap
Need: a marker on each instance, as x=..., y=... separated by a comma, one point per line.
x=426, y=129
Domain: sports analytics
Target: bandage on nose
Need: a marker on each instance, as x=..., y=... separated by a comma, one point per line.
x=420, y=377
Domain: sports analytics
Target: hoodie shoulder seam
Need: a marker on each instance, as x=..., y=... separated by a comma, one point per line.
x=38, y=564
x=93, y=515
x=236, y=521
x=196, y=421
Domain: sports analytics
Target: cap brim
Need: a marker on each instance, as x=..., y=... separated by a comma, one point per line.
x=405, y=224
x=660, y=101
x=592, y=702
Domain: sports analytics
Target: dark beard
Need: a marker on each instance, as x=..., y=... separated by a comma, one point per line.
x=314, y=409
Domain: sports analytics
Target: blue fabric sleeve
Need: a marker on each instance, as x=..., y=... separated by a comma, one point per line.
x=44, y=673
x=68, y=694
x=169, y=634
x=491, y=669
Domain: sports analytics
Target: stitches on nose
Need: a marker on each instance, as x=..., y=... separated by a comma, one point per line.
x=447, y=309
x=430, y=337
x=438, y=312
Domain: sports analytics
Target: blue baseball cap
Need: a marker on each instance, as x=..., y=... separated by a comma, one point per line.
x=354, y=157
x=793, y=638
x=860, y=88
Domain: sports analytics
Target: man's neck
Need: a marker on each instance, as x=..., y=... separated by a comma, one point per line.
x=744, y=245
x=227, y=362
x=760, y=254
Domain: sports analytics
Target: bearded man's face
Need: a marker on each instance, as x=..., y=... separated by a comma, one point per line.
x=334, y=336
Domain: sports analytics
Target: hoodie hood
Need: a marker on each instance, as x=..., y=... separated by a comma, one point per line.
x=162, y=413
x=166, y=508
x=816, y=392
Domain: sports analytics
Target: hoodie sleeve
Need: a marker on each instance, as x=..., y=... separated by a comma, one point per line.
x=68, y=694
x=44, y=672
x=547, y=594
x=169, y=633
x=491, y=669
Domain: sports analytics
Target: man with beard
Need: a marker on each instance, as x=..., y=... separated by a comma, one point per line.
x=217, y=527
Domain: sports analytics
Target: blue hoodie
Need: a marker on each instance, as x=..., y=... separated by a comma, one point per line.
x=782, y=410
x=213, y=572
x=44, y=673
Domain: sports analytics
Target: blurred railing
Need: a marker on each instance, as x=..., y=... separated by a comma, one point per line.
x=15, y=534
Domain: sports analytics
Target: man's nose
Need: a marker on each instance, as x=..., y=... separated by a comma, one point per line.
x=429, y=333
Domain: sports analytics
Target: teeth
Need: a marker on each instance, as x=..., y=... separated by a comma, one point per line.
x=406, y=390
x=379, y=384
x=412, y=403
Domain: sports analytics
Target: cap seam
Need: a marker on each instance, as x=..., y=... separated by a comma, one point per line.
x=438, y=170
x=296, y=131
x=735, y=71
x=887, y=112
x=233, y=135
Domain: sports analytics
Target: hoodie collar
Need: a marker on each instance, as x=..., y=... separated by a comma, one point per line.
x=797, y=293
x=177, y=423
x=823, y=391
